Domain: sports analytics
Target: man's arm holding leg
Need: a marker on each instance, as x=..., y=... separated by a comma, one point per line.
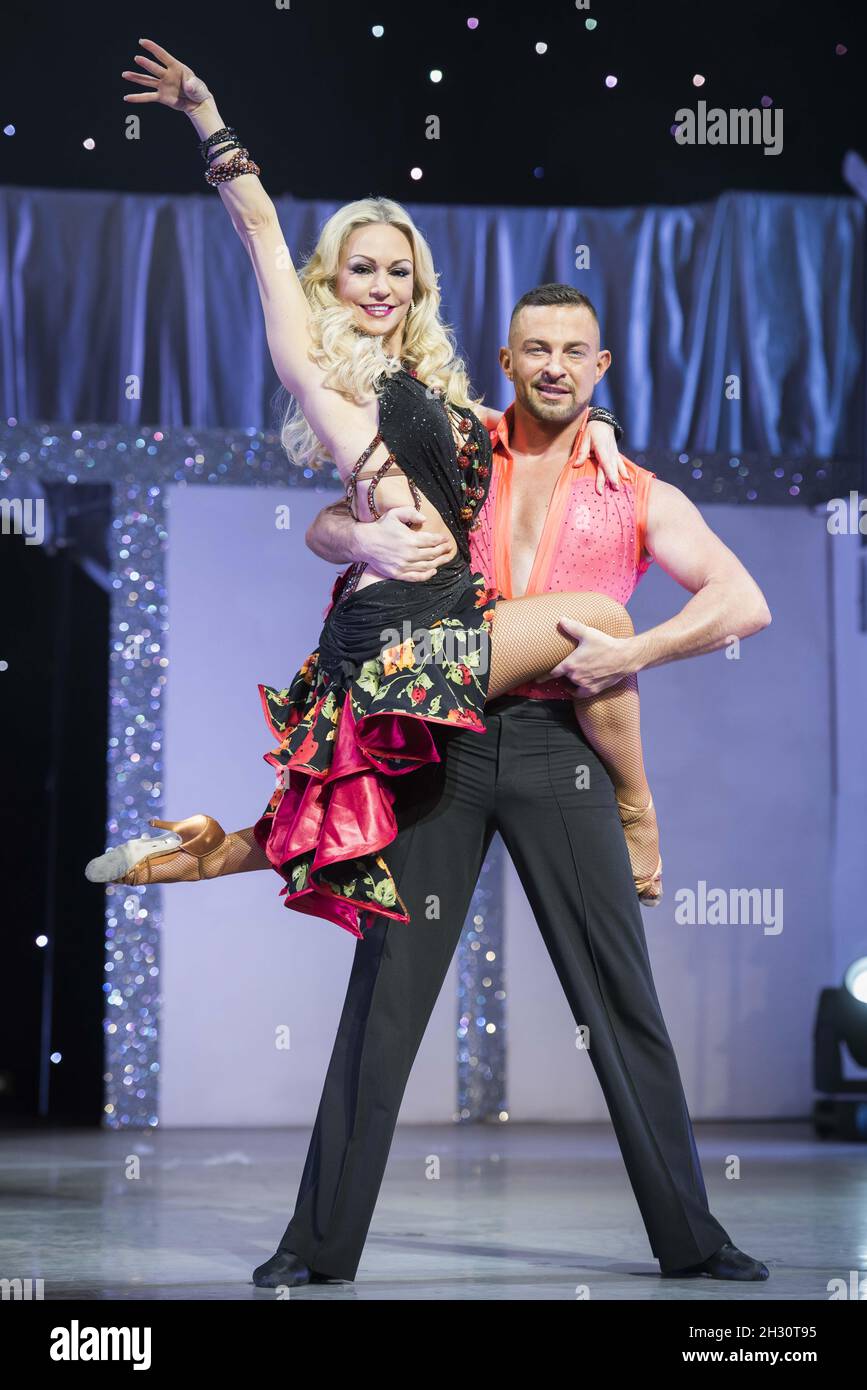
x=726, y=601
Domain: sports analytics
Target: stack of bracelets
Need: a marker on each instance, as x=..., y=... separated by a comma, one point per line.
x=598, y=412
x=241, y=163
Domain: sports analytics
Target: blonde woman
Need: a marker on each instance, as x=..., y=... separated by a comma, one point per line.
x=357, y=340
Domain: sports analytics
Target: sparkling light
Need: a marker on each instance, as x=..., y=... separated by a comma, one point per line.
x=89, y=144
x=472, y=24
x=42, y=941
x=698, y=80
x=588, y=23
x=415, y=173
x=8, y=130
x=541, y=48
x=855, y=979
x=377, y=31
x=436, y=75
x=610, y=81
x=480, y=1032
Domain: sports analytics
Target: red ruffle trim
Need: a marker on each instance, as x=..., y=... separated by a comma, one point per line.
x=347, y=811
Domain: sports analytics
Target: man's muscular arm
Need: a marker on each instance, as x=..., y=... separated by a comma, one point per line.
x=726, y=601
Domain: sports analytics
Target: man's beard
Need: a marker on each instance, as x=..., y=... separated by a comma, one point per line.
x=560, y=412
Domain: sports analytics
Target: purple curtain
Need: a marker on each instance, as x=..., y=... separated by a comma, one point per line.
x=736, y=325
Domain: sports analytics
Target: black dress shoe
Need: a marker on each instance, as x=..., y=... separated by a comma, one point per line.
x=726, y=1263
x=284, y=1267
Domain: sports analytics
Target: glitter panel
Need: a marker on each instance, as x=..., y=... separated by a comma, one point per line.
x=482, y=998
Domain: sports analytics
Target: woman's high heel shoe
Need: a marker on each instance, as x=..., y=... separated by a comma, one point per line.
x=641, y=833
x=192, y=849
x=649, y=890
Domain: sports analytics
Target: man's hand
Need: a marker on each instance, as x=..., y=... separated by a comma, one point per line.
x=397, y=549
x=597, y=662
x=396, y=546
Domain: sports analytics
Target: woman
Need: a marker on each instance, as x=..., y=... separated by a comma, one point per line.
x=378, y=389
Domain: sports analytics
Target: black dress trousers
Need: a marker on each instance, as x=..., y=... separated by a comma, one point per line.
x=520, y=777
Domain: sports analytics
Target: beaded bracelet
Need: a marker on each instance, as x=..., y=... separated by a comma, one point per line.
x=598, y=412
x=216, y=152
x=205, y=145
x=240, y=163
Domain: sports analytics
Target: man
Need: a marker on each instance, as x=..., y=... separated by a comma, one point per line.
x=539, y=531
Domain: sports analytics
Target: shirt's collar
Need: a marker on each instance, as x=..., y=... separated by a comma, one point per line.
x=502, y=432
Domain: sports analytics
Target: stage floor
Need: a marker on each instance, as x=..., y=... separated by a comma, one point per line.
x=518, y=1212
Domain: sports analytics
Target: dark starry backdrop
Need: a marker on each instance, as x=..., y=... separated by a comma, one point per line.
x=330, y=111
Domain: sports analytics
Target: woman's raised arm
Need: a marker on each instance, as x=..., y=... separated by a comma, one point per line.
x=287, y=314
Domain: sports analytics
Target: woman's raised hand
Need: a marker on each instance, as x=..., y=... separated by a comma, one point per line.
x=610, y=467
x=169, y=81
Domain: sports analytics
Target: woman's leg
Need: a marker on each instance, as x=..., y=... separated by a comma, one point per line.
x=526, y=643
x=242, y=854
x=192, y=849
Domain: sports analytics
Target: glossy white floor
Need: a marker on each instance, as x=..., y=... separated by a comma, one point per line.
x=516, y=1213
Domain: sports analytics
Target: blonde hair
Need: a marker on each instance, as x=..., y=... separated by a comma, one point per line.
x=354, y=360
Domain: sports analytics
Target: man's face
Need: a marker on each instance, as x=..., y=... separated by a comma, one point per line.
x=554, y=361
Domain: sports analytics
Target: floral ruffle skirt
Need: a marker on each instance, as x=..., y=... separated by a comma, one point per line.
x=345, y=733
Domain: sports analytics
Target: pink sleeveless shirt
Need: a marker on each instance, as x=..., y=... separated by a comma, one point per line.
x=588, y=542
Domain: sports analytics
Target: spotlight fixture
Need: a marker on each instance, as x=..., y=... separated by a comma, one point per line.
x=840, y=1112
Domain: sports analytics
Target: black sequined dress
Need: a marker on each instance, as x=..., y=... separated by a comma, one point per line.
x=394, y=658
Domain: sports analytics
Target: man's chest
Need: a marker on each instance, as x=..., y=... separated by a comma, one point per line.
x=532, y=493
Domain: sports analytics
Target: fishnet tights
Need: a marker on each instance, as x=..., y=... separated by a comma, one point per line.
x=239, y=853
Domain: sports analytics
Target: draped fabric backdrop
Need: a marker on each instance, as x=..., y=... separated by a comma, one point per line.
x=98, y=287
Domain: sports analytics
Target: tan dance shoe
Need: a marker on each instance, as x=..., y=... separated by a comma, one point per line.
x=640, y=830
x=649, y=890
x=192, y=849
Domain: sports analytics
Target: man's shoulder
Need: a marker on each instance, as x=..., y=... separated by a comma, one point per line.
x=638, y=476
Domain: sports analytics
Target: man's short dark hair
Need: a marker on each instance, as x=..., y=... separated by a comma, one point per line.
x=553, y=294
